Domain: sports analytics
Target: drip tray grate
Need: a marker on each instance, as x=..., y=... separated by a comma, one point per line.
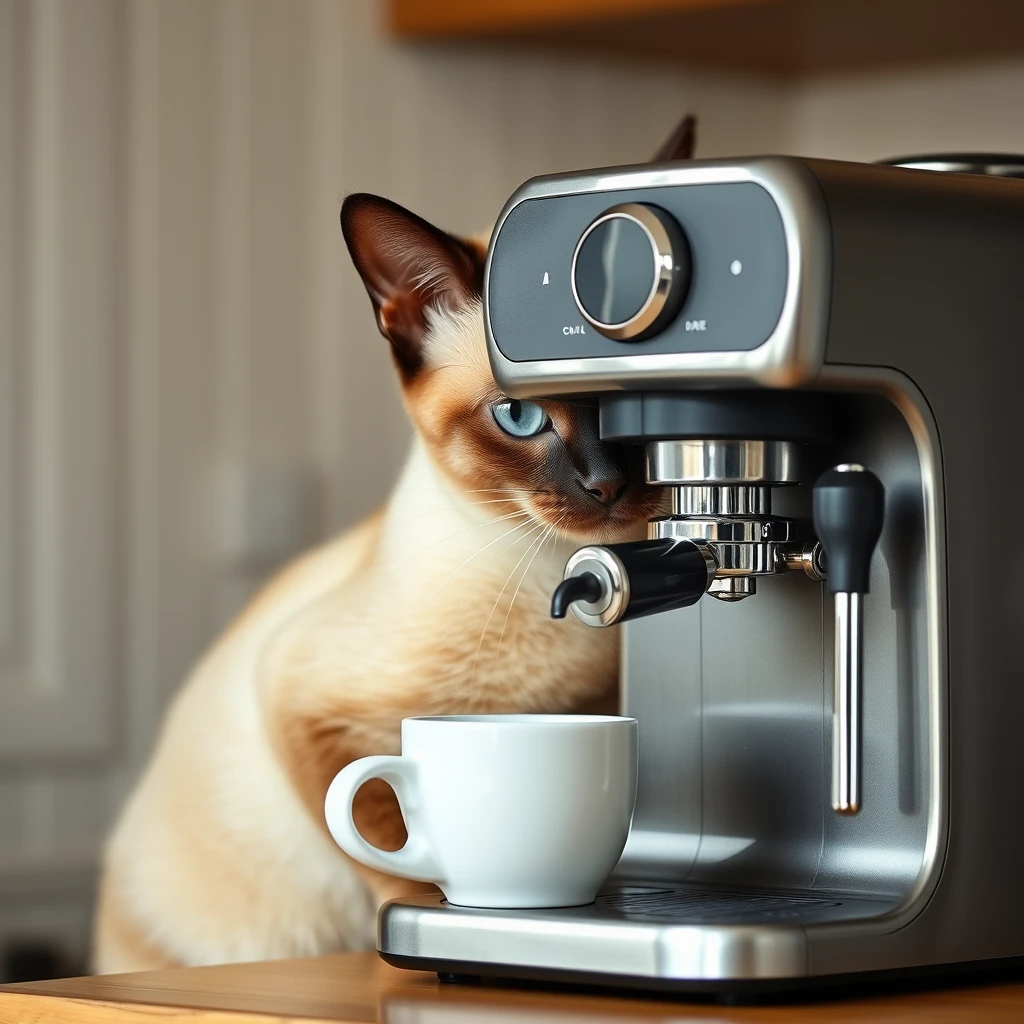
x=686, y=905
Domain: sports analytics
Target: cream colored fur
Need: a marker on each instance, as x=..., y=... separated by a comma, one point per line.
x=216, y=857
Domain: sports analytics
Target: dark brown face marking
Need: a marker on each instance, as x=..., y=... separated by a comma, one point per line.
x=563, y=475
x=408, y=266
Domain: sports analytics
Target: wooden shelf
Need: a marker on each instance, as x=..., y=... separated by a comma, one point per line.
x=777, y=37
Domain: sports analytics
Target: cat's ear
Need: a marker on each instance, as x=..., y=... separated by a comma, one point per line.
x=681, y=144
x=408, y=267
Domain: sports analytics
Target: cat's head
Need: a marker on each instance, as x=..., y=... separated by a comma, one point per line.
x=543, y=457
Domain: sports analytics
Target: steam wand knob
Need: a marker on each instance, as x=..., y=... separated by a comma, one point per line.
x=849, y=510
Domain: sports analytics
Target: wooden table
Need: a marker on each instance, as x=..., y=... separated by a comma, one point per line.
x=359, y=987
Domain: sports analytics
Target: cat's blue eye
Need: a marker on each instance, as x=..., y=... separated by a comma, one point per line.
x=520, y=419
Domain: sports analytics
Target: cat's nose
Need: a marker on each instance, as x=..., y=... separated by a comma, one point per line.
x=605, y=489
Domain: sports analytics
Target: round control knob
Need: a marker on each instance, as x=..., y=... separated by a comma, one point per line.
x=631, y=271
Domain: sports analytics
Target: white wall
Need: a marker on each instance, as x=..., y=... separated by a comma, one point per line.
x=945, y=109
x=176, y=304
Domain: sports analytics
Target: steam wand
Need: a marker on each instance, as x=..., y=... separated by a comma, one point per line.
x=849, y=508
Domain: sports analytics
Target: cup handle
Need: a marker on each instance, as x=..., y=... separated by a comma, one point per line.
x=414, y=860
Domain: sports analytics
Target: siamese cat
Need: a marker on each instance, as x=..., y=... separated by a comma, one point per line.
x=436, y=604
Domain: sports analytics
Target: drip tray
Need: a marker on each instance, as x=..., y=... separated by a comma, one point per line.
x=673, y=932
x=710, y=906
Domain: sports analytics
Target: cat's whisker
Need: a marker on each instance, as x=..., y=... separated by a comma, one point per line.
x=497, y=600
x=515, y=540
x=477, y=490
x=450, y=508
x=479, y=552
x=458, y=533
x=544, y=538
x=481, y=490
x=449, y=366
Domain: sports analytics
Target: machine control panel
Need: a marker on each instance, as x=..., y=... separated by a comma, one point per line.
x=665, y=269
x=631, y=271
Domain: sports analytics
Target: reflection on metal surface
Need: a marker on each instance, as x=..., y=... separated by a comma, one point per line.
x=703, y=462
x=732, y=588
x=1001, y=165
x=846, y=711
x=713, y=500
x=682, y=847
x=810, y=560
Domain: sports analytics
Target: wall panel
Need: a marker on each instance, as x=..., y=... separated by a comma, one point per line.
x=57, y=505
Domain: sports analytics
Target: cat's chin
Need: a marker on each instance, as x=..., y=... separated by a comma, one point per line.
x=605, y=531
x=625, y=521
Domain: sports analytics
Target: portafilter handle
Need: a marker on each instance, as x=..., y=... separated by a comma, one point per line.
x=609, y=583
x=849, y=509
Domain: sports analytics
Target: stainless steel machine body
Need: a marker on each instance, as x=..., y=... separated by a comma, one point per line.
x=892, y=297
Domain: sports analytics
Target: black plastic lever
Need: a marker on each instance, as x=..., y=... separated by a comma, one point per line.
x=849, y=509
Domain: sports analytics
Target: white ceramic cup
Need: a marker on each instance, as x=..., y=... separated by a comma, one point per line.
x=502, y=810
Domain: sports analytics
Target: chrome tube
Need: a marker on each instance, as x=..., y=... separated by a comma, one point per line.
x=846, y=709
x=718, y=500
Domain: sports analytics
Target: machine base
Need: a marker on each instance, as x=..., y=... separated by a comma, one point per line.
x=645, y=934
x=733, y=991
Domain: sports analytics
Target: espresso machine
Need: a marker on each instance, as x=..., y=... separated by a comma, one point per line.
x=822, y=362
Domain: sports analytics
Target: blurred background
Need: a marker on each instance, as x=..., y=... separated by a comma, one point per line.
x=191, y=385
